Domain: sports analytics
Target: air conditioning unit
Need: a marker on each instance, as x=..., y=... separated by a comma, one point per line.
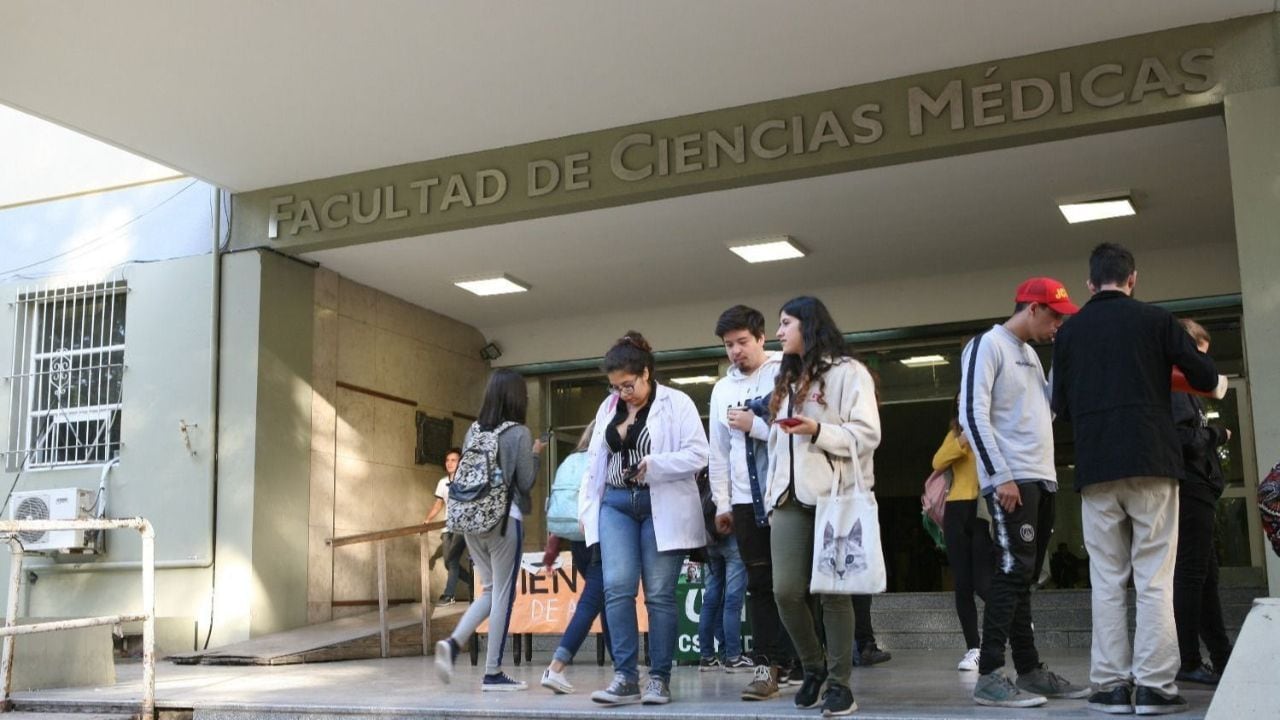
x=59, y=504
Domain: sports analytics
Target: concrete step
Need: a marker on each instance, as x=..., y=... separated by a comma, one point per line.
x=1045, y=598
x=927, y=621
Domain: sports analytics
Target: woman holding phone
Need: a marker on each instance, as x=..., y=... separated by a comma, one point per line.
x=827, y=419
x=640, y=502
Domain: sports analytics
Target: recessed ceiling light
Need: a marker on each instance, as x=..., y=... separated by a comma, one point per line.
x=924, y=361
x=695, y=380
x=1100, y=209
x=500, y=285
x=780, y=247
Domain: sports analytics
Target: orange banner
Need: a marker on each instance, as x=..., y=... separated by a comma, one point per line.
x=546, y=599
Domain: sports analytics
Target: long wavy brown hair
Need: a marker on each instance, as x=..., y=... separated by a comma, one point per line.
x=823, y=346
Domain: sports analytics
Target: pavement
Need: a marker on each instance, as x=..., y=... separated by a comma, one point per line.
x=917, y=684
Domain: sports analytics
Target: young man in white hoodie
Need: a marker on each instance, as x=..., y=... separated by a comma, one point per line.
x=739, y=476
x=1004, y=412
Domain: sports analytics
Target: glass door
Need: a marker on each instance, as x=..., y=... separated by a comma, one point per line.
x=1238, y=531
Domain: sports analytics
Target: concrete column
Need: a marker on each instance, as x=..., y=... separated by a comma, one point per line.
x=264, y=446
x=1253, y=144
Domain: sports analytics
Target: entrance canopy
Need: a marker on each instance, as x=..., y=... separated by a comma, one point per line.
x=251, y=96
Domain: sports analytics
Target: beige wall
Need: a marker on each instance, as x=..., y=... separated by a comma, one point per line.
x=363, y=476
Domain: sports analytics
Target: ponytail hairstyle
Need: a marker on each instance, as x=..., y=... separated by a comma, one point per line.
x=631, y=353
x=823, y=347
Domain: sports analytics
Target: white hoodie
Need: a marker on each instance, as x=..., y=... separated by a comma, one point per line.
x=730, y=483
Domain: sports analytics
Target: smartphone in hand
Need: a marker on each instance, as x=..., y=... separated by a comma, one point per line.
x=789, y=422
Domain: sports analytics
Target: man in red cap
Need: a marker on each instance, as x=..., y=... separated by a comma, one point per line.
x=1004, y=412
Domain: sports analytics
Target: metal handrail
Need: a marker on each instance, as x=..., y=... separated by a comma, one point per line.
x=10, y=528
x=380, y=538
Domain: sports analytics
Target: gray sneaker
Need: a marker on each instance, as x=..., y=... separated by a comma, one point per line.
x=620, y=692
x=656, y=692
x=996, y=690
x=1042, y=681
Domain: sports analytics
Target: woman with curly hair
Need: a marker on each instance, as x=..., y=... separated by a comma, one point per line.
x=639, y=500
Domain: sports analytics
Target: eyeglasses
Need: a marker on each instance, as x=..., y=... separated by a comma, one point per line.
x=625, y=388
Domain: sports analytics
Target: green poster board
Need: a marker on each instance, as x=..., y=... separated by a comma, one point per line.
x=688, y=612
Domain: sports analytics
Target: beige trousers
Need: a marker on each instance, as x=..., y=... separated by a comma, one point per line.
x=1131, y=529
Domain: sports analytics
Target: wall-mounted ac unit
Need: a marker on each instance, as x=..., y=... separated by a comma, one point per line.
x=59, y=504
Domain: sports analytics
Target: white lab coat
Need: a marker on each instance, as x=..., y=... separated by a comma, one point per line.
x=679, y=452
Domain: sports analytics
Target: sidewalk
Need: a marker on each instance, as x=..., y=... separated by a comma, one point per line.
x=914, y=685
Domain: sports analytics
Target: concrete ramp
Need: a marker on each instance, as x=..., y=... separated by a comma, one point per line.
x=350, y=638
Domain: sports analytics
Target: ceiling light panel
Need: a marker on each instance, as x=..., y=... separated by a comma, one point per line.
x=499, y=285
x=770, y=250
x=695, y=380
x=924, y=361
x=1103, y=209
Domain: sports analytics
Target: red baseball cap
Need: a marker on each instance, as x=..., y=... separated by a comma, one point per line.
x=1046, y=291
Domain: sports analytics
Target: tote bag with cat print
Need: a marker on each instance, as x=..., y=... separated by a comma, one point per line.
x=847, y=556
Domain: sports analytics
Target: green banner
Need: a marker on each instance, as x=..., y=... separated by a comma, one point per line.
x=689, y=592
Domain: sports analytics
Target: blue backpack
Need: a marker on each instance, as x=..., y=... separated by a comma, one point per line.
x=562, y=505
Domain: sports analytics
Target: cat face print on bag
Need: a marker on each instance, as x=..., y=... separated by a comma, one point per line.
x=842, y=554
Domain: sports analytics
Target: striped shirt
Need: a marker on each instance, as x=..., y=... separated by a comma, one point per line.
x=627, y=452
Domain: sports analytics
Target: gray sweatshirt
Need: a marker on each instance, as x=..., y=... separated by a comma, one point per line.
x=519, y=465
x=1004, y=411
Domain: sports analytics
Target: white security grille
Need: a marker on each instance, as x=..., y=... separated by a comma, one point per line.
x=67, y=374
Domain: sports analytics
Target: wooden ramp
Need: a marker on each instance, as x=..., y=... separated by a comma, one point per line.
x=350, y=638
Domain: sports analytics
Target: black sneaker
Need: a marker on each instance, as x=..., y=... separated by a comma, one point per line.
x=1203, y=675
x=1116, y=700
x=807, y=695
x=1149, y=701
x=1043, y=681
x=502, y=682
x=837, y=701
x=445, y=600
x=872, y=655
x=795, y=676
x=709, y=664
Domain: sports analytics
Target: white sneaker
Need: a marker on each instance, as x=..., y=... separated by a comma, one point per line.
x=556, y=682
x=445, y=655
x=969, y=663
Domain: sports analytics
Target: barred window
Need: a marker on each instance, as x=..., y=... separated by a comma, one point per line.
x=67, y=375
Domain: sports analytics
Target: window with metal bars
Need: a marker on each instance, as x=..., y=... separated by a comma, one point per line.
x=67, y=375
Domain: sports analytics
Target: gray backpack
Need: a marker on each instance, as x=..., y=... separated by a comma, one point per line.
x=479, y=497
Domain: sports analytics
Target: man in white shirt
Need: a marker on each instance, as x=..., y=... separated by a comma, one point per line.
x=738, y=474
x=452, y=546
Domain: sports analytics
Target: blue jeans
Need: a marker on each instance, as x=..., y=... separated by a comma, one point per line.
x=629, y=554
x=724, y=583
x=586, y=561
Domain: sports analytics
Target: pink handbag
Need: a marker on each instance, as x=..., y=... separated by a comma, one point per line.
x=934, y=499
